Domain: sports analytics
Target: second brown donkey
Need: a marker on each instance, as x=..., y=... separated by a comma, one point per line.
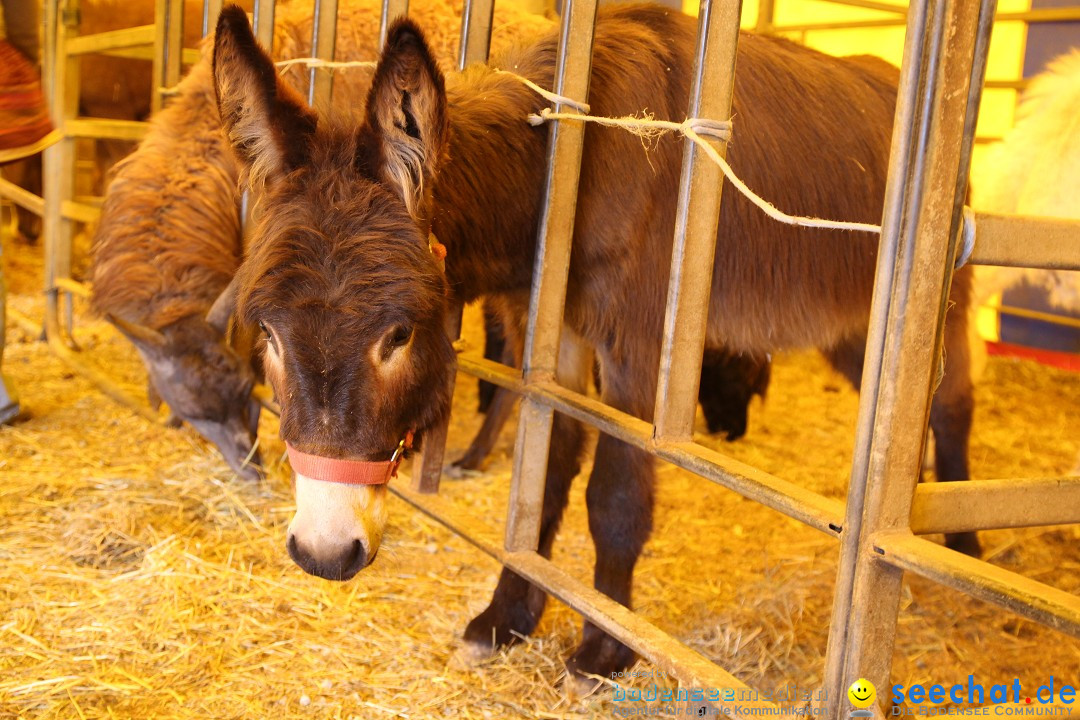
x=353, y=303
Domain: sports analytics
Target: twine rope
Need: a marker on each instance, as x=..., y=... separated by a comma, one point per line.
x=694, y=129
x=648, y=128
x=284, y=65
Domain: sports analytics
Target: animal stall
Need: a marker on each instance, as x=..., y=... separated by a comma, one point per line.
x=156, y=584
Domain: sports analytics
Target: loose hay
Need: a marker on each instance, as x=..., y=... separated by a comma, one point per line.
x=139, y=578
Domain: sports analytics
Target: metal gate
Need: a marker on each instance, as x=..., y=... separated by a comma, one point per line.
x=923, y=222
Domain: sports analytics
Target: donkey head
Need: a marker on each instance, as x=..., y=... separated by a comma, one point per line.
x=204, y=381
x=340, y=279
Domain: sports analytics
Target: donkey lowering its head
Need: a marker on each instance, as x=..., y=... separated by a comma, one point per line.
x=352, y=301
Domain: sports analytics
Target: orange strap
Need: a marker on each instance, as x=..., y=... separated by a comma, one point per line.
x=348, y=472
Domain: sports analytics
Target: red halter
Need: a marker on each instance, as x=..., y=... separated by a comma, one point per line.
x=349, y=472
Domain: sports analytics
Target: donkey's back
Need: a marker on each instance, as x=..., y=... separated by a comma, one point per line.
x=811, y=134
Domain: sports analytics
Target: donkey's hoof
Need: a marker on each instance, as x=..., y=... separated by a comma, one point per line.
x=598, y=657
x=470, y=655
x=578, y=687
x=965, y=542
x=500, y=625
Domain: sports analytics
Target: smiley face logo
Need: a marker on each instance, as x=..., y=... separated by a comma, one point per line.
x=861, y=693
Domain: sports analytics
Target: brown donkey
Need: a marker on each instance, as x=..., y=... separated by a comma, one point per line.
x=353, y=303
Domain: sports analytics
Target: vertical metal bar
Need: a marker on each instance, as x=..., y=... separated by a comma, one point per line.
x=475, y=41
x=427, y=466
x=690, y=282
x=168, y=48
x=391, y=11
x=211, y=10
x=59, y=160
x=927, y=173
x=475, y=32
x=264, y=23
x=765, y=17
x=323, y=41
x=549, y=277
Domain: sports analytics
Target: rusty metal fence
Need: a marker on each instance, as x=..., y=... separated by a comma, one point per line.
x=886, y=510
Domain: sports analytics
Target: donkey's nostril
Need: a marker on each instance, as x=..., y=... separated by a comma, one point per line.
x=354, y=561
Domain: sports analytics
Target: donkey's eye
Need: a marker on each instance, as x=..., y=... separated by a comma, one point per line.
x=400, y=336
x=266, y=332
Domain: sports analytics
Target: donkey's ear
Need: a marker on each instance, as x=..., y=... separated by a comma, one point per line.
x=266, y=122
x=406, y=109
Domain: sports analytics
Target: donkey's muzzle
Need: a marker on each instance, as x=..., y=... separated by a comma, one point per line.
x=351, y=560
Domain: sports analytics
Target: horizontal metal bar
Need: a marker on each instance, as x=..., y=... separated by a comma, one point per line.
x=103, y=129
x=23, y=198
x=1019, y=84
x=72, y=286
x=1026, y=597
x=265, y=396
x=670, y=656
x=872, y=5
x=988, y=504
x=189, y=56
x=112, y=40
x=1042, y=15
x=82, y=212
x=18, y=153
x=1063, y=320
x=1026, y=241
x=817, y=511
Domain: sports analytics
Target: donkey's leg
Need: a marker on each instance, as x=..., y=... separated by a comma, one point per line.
x=954, y=405
x=516, y=605
x=620, y=504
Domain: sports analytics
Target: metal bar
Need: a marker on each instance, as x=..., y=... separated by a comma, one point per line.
x=817, y=511
x=73, y=286
x=79, y=211
x=928, y=167
x=102, y=129
x=211, y=10
x=987, y=504
x=1041, y=15
x=428, y=465
x=23, y=198
x=872, y=5
x=550, y=271
x=475, y=41
x=1026, y=241
x=475, y=32
x=264, y=23
x=1035, y=315
x=168, y=48
x=265, y=396
x=766, y=17
x=58, y=161
x=668, y=654
x=696, y=220
x=1027, y=598
x=391, y=11
x=112, y=40
x=323, y=40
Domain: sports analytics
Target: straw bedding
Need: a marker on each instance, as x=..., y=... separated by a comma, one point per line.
x=139, y=578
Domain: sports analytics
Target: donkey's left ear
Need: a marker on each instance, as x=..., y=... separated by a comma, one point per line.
x=266, y=122
x=406, y=109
